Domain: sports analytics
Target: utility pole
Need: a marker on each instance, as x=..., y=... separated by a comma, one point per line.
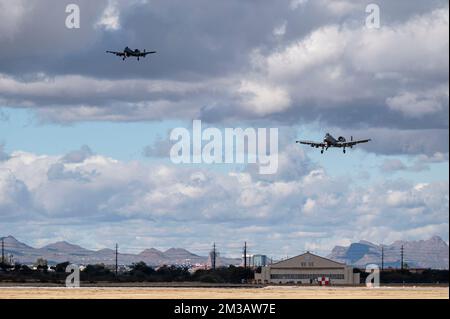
x=3, y=250
x=402, y=255
x=382, y=258
x=117, y=253
x=213, y=259
x=245, y=255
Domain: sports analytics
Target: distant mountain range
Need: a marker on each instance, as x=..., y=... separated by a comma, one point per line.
x=431, y=253
x=63, y=251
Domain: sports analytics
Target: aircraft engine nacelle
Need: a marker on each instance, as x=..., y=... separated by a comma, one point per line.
x=341, y=139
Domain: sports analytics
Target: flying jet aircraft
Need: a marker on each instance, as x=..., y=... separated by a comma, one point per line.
x=330, y=141
x=127, y=52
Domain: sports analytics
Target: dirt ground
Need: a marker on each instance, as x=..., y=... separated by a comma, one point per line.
x=224, y=293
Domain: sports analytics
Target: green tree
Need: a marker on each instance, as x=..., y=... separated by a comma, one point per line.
x=141, y=267
x=61, y=267
x=41, y=264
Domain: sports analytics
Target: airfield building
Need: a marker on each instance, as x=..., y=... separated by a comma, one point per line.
x=307, y=269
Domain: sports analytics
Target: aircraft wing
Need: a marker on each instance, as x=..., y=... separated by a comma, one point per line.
x=313, y=144
x=116, y=53
x=150, y=52
x=351, y=143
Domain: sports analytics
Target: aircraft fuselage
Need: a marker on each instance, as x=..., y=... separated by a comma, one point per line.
x=330, y=140
x=128, y=52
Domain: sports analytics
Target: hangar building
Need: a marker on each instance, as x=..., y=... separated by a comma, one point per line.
x=307, y=269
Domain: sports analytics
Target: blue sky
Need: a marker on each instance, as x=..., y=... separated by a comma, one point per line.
x=84, y=135
x=126, y=141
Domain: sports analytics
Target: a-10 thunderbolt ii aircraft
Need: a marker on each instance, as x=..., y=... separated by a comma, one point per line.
x=330, y=141
x=127, y=52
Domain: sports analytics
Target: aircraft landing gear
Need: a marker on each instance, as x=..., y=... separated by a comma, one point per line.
x=344, y=151
x=321, y=151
